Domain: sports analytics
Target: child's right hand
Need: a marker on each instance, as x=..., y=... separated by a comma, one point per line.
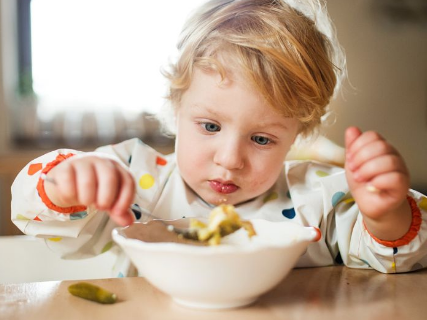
x=91, y=180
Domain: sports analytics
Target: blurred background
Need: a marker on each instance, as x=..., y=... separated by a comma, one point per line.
x=84, y=73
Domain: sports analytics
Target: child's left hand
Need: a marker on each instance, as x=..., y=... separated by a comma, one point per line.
x=376, y=173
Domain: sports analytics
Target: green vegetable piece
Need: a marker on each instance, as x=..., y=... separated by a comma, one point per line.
x=91, y=292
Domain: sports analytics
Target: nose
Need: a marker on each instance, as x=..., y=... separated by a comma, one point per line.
x=230, y=154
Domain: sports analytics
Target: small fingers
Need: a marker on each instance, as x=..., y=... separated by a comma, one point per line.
x=379, y=166
x=351, y=134
x=63, y=191
x=91, y=180
x=121, y=211
x=122, y=218
x=391, y=182
x=370, y=151
x=86, y=182
x=361, y=141
x=109, y=183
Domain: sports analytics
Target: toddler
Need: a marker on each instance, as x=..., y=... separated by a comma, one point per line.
x=252, y=77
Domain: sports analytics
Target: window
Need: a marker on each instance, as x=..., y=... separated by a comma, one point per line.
x=90, y=69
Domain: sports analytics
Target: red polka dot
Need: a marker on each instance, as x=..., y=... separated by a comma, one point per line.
x=160, y=161
x=319, y=234
x=37, y=219
x=33, y=168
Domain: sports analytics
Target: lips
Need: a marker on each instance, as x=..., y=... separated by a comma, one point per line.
x=223, y=187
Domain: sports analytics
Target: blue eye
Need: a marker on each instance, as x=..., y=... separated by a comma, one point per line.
x=260, y=140
x=211, y=127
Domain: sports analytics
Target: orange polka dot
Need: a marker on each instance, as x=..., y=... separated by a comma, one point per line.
x=33, y=168
x=160, y=161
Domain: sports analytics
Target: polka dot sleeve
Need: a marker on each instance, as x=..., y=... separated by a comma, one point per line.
x=42, y=192
x=409, y=253
x=412, y=232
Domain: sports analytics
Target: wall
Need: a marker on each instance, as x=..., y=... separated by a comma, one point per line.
x=7, y=78
x=387, y=67
x=8, y=66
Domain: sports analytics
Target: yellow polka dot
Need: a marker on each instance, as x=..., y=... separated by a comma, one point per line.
x=107, y=246
x=423, y=203
x=271, y=196
x=21, y=217
x=56, y=239
x=321, y=173
x=349, y=200
x=146, y=181
x=393, y=265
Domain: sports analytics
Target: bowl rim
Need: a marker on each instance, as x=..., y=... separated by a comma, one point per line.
x=306, y=236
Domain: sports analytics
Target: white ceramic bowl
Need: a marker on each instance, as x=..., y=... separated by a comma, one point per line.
x=232, y=274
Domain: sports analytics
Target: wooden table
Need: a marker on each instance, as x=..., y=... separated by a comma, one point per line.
x=315, y=293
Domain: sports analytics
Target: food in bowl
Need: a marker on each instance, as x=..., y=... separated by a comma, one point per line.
x=223, y=221
x=232, y=274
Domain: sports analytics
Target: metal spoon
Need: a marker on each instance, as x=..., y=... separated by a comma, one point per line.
x=186, y=232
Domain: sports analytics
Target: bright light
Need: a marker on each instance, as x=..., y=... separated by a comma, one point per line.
x=104, y=54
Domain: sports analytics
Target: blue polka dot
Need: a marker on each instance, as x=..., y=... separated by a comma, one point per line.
x=120, y=275
x=338, y=259
x=394, y=250
x=78, y=215
x=337, y=197
x=366, y=262
x=289, y=213
x=135, y=211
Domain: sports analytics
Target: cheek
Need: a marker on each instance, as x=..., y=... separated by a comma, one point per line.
x=266, y=173
x=190, y=155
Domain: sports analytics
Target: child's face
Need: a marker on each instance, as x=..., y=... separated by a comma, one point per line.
x=230, y=144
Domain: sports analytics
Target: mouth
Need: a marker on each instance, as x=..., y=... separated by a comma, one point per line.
x=223, y=187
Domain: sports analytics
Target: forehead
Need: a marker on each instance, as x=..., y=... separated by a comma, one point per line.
x=212, y=85
x=231, y=98
x=209, y=87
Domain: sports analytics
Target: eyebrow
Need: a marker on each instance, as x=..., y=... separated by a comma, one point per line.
x=275, y=124
x=207, y=108
x=260, y=123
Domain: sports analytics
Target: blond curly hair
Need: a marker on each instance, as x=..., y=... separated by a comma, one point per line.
x=287, y=50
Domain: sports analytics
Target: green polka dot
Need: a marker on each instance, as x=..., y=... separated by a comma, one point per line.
x=271, y=196
x=288, y=194
x=321, y=173
x=337, y=197
x=107, y=246
x=146, y=181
